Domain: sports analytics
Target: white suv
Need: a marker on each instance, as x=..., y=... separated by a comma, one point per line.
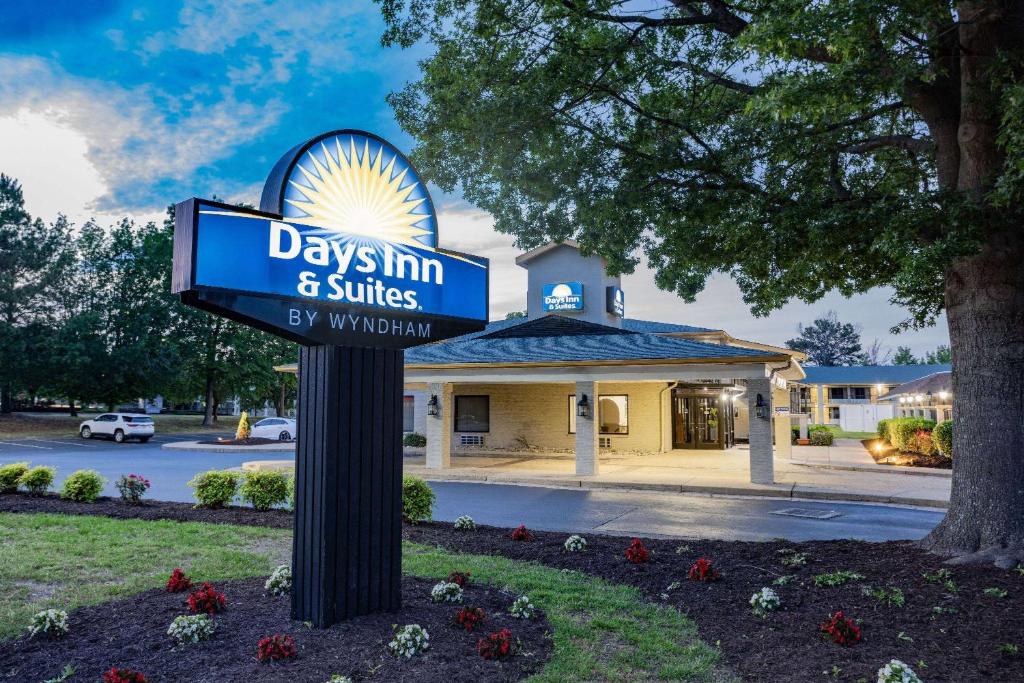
x=118, y=426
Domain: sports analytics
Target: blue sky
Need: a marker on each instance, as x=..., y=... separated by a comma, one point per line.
x=110, y=108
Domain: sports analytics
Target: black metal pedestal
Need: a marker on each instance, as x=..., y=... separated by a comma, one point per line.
x=346, y=553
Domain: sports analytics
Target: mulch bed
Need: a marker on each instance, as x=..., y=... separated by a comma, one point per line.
x=133, y=633
x=885, y=453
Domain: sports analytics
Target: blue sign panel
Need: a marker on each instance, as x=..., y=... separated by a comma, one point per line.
x=615, y=301
x=563, y=296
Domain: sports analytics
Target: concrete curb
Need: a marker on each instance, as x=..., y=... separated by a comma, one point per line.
x=878, y=469
x=213, y=448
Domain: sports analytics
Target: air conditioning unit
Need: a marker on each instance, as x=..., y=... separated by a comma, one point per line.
x=604, y=442
x=471, y=439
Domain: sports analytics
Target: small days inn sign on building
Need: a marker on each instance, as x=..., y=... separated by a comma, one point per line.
x=343, y=258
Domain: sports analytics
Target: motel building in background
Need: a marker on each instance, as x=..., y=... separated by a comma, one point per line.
x=576, y=376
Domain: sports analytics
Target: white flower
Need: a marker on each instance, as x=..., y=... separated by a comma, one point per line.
x=464, y=523
x=897, y=672
x=446, y=592
x=52, y=622
x=411, y=639
x=522, y=608
x=280, y=581
x=338, y=678
x=191, y=628
x=575, y=544
x=764, y=601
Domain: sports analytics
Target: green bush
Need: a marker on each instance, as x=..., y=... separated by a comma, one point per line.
x=821, y=437
x=883, y=428
x=10, y=475
x=903, y=432
x=83, y=486
x=417, y=500
x=264, y=489
x=215, y=488
x=291, y=491
x=819, y=428
x=414, y=440
x=38, y=479
x=943, y=436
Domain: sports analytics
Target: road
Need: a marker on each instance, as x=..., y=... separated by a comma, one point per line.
x=575, y=510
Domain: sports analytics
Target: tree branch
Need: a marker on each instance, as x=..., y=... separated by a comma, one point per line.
x=906, y=142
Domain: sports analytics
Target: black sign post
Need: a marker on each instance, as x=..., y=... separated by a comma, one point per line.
x=342, y=258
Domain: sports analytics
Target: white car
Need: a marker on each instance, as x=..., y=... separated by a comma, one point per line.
x=280, y=428
x=118, y=426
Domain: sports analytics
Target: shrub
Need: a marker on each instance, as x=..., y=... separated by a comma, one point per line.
x=445, y=591
x=636, y=552
x=821, y=437
x=276, y=647
x=244, y=431
x=883, y=428
x=215, y=488
x=764, y=601
x=264, y=489
x=280, y=581
x=464, y=523
x=417, y=500
x=207, y=599
x=461, y=579
x=840, y=629
x=522, y=608
x=469, y=617
x=497, y=645
x=10, y=475
x=575, y=544
x=703, y=570
x=903, y=431
x=897, y=672
x=116, y=675
x=83, y=486
x=414, y=440
x=132, y=487
x=411, y=639
x=943, y=436
x=191, y=628
x=38, y=479
x=178, y=582
x=838, y=578
x=51, y=622
x=291, y=491
x=521, y=533
x=923, y=443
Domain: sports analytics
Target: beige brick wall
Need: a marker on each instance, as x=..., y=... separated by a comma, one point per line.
x=539, y=413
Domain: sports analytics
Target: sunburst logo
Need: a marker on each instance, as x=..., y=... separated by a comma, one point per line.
x=352, y=184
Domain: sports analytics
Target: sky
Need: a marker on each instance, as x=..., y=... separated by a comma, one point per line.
x=111, y=108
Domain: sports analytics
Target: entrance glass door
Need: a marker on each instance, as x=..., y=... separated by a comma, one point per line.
x=700, y=420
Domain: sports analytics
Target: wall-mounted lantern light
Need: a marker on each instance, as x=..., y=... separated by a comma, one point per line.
x=433, y=406
x=583, y=406
x=760, y=408
x=929, y=397
x=943, y=395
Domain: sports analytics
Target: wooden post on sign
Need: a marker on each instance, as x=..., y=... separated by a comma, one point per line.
x=346, y=552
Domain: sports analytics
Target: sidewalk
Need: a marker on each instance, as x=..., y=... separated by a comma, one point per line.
x=849, y=454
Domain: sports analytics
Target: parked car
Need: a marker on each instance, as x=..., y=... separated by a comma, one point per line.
x=280, y=428
x=118, y=426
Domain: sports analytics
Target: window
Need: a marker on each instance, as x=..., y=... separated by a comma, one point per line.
x=833, y=412
x=408, y=413
x=860, y=393
x=139, y=419
x=472, y=413
x=837, y=393
x=107, y=418
x=947, y=413
x=612, y=414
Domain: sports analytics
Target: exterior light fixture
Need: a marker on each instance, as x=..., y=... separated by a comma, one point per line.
x=761, y=408
x=433, y=406
x=920, y=398
x=583, y=406
x=879, y=388
x=943, y=395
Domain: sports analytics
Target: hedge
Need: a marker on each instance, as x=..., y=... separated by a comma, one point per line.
x=821, y=437
x=214, y=489
x=414, y=440
x=913, y=434
x=264, y=489
x=83, y=486
x=417, y=500
x=10, y=475
x=943, y=436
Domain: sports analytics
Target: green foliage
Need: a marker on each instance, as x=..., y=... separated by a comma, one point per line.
x=829, y=342
x=291, y=491
x=995, y=592
x=904, y=356
x=417, y=500
x=792, y=558
x=943, y=437
x=83, y=486
x=10, y=475
x=836, y=578
x=264, y=489
x=414, y=440
x=214, y=488
x=38, y=479
x=941, y=356
x=243, y=431
x=889, y=596
x=883, y=428
x=903, y=434
x=821, y=437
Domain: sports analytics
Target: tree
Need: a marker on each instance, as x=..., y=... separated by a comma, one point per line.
x=829, y=342
x=515, y=315
x=941, y=355
x=801, y=147
x=904, y=356
x=876, y=355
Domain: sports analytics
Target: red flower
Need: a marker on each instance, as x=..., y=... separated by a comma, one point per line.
x=460, y=578
x=178, y=582
x=116, y=675
x=276, y=647
x=207, y=599
x=521, y=533
x=840, y=629
x=703, y=570
x=636, y=552
x=469, y=617
x=498, y=645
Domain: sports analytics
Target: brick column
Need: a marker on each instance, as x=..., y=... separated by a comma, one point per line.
x=762, y=469
x=586, y=431
x=439, y=427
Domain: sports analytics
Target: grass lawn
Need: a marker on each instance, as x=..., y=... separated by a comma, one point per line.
x=601, y=631
x=860, y=436
x=27, y=425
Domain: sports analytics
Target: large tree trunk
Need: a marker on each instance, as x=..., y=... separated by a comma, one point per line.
x=71, y=408
x=6, y=403
x=279, y=400
x=210, y=416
